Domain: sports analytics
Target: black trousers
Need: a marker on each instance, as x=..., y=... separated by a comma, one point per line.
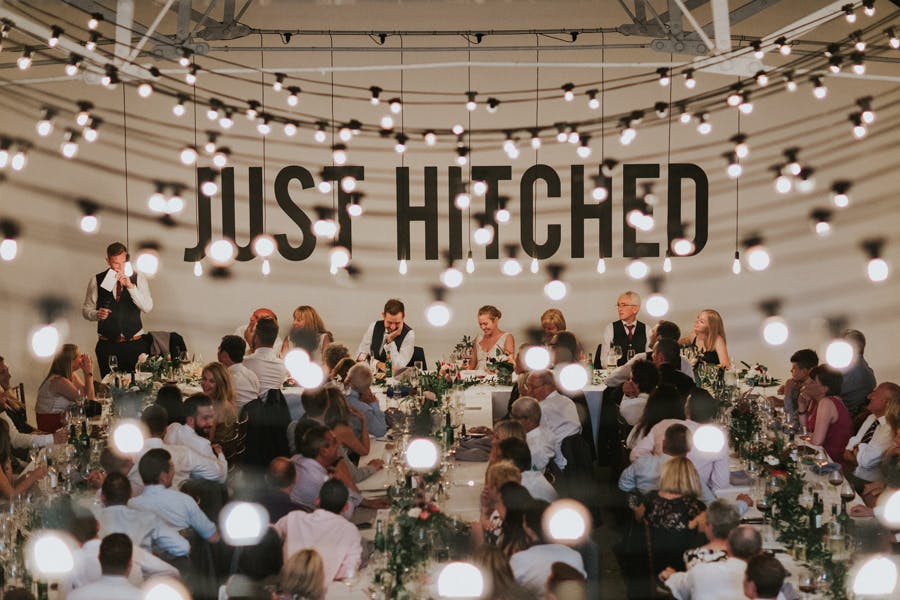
x=126, y=352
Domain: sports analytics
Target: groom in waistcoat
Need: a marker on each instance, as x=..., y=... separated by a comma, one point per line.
x=389, y=337
x=628, y=333
x=116, y=299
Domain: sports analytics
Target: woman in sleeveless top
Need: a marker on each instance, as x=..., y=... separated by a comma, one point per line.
x=709, y=338
x=307, y=324
x=62, y=386
x=216, y=383
x=491, y=340
x=823, y=412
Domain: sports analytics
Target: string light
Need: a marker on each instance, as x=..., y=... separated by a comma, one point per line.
x=792, y=165
x=761, y=78
x=667, y=265
x=221, y=252
x=24, y=61
x=471, y=105
x=869, y=8
x=278, y=84
x=757, y=256
x=857, y=60
x=185, y=59
x=657, y=304
x=400, y=146
x=493, y=105
x=339, y=154
x=73, y=66
x=9, y=246
x=69, y=146
x=430, y=138
x=555, y=289
x=252, y=110
x=821, y=218
x=834, y=63
x=601, y=190
x=627, y=133
x=511, y=266
x=145, y=90
x=637, y=269
x=396, y=105
x=741, y=149
x=91, y=44
x=664, y=78
x=319, y=135
x=806, y=182
x=462, y=156
x=859, y=128
x=156, y=202
x=191, y=76
x=355, y=209
x=325, y=226
x=689, y=81
x=45, y=125
x=375, y=100
x=789, y=83
x=593, y=100
x=775, y=331
x=734, y=97
x=263, y=126
x=758, y=51
x=568, y=92
x=147, y=259
x=94, y=21
x=220, y=158
x=734, y=169
x=178, y=109
x=290, y=128
x=893, y=40
x=438, y=314
x=19, y=159
x=819, y=89
x=293, y=98
x=209, y=187
x=839, y=195
x=502, y=215
x=704, y=127
x=877, y=269
x=849, y=14
x=784, y=47
x=746, y=107
x=866, y=112
x=4, y=152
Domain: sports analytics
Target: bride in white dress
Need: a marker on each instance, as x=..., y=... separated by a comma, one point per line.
x=490, y=340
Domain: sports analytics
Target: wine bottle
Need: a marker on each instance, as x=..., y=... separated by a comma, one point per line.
x=84, y=440
x=462, y=432
x=448, y=432
x=52, y=476
x=73, y=437
x=380, y=542
x=388, y=367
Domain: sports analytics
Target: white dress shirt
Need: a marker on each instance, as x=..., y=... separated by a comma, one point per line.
x=531, y=567
x=108, y=587
x=538, y=486
x=189, y=464
x=87, y=567
x=184, y=435
x=608, y=336
x=560, y=418
x=540, y=442
x=25, y=440
x=145, y=529
x=868, y=455
x=720, y=580
x=400, y=357
x=712, y=467
x=245, y=384
x=632, y=408
x=175, y=508
x=140, y=295
x=269, y=369
x=622, y=374
x=335, y=538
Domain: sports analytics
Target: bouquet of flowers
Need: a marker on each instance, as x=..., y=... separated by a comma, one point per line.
x=160, y=367
x=501, y=366
x=745, y=423
x=757, y=375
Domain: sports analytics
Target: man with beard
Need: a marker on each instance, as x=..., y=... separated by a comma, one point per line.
x=199, y=421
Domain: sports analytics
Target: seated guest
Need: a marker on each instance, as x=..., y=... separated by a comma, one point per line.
x=566, y=583
x=670, y=511
x=264, y=361
x=302, y=576
x=62, y=387
x=823, y=412
x=496, y=477
x=314, y=404
x=532, y=567
x=115, y=563
x=527, y=412
x=339, y=373
x=874, y=437
x=492, y=343
x=189, y=464
x=243, y=381
x=701, y=408
x=169, y=397
x=565, y=348
x=517, y=452
x=308, y=331
x=552, y=322
x=359, y=395
x=513, y=502
x=199, y=420
x=9, y=486
x=721, y=519
x=319, y=452
x=663, y=329
x=494, y=565
x=13, y=412
x=337, y=418
x=890, y=462
x=722, y=578
x=859, y=378
x=802, y=362
x=216, y=383
x=145, y=529
x=275, y=494
x=334, y=537
x=389, y=336
x=173, y=507
x=257, y=570
x=665, y=356
x=644, y=379
x=663, y=404
x=246, y=332
x=627, y=332
x=558, y=413
x=709, y=338
x=504, y=430
x=642, y=475
x=333, y=354
x=764, y=577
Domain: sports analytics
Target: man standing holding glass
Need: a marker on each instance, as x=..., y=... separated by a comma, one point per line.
x=115, y=298
x=627, y=333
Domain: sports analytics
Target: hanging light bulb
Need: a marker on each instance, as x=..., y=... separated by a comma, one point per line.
x=339, y=257
x=24, y=61
x=69, y=146
x=220, y=158
x=221, y=252
x=402, y=267
x=819, y=89
x=156, y=202
x=45, y=125
x=839, y=191
x=627, y=133
x=430, y=138
x=689, y=81
x=263, y=126
x=657, y=304
x=736, y=263
x=293, y=98
x=462, y=200
x=806, y=182
x=859, y=128
x=664, y=77
x=758, y=52
x=375, y=100
x=511, y=265
x=667, y=265
x=324, y=187
x=555, y=289
x=19, y=159
x=734, y=169
x=400, y=146
x=9, y=246
x=209, y=187
x=396, y=105
x=535, y=266
x=178, y=108
x=535, y=139
x=73, y=66
x=584, y=150
x=91, y=44
x=89, y=223
x=601, y=265
x=893, y=40
x=147, y=259
x=471, y=105
x=757, y=256
x=348, y=183
x=593, y=100
x=484, y=235
x=344, y=133
x=319, y=135
x=821, y=219
x=339, y=154
x=198, y=269
x=325, y=226
x=83, y=116
x=568, y=92
x=537, y=358
x=849, y=14
x=470, y=263
x=638, y=269
x=438, y=313
x=190, y=77
x=89, y=133
x=264, y=245
x=704, y=127
x=784, y=47
x=877, y=268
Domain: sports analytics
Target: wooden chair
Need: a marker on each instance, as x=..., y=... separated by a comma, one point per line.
x=235, y=446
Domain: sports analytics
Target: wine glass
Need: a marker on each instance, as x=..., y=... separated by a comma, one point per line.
x=113, y=363
x=835, y=478
x=420, y=366
x=847, y=492
x=351, y=575
x=617, y=351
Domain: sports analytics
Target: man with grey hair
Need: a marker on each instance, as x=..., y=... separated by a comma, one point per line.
x=360, y=397
x=527, y=411
x=627, y=332
x=873, y=438
x=859, y=378
x=559, y=416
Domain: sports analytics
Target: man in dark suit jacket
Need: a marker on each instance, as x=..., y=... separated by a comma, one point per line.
x=667, y=358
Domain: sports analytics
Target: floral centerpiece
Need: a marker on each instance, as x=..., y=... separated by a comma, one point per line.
x=161, y=368
x=757, y=375
x=745, y=423
x=501, y=366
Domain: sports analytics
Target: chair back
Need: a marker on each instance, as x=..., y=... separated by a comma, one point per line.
x=236, y=445
x=267, y=420
x=418, y=355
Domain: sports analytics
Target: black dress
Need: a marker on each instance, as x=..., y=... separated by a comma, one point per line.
x=669, y=532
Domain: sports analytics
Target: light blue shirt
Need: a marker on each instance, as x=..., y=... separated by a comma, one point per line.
x=374, y=416
x=144, y=528
x=310, y=477
x=175, y=508
x=643, y=474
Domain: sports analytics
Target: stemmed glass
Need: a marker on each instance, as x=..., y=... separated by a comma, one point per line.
x=351, y=576
x=835, y=478
x=847, y=492
x=113, y=363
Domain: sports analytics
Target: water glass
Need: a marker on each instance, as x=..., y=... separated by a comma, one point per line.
x=113, y=363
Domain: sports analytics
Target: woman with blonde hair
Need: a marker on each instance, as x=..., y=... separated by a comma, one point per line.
x=307, y=327
x=216, y=383
x=498, y=474
x=709, y=338
x=337, y=418
x=302, y=577
x=9, y=486
x=492, y=342
x=62, y=387
x=552, y=322
x=669, y=511
x=502, y=430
